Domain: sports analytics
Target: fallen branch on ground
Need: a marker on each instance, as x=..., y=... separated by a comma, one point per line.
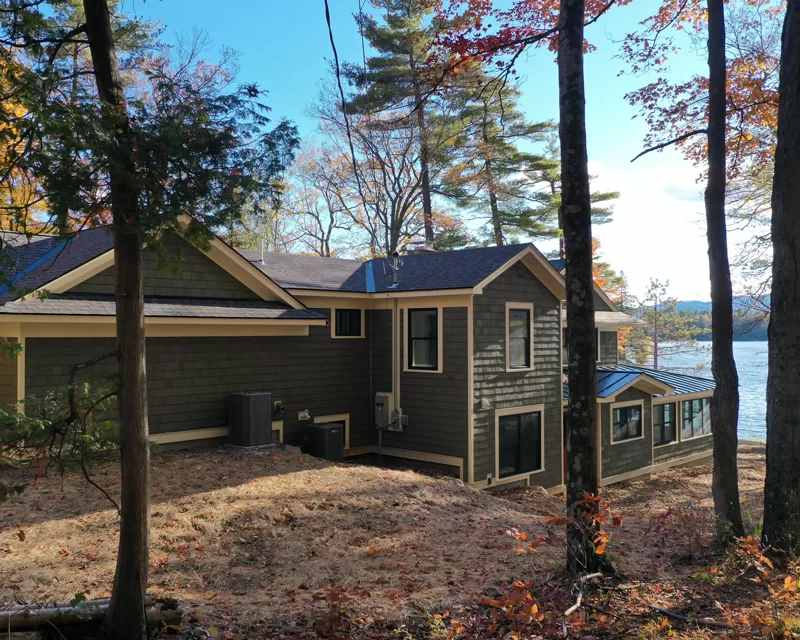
x=705, y=622
x=29, y=618
x=577, y=604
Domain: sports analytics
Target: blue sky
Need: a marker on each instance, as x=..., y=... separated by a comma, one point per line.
x=658, y=229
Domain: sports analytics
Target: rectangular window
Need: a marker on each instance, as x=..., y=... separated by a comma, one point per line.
x=664, y=420
x=423, y=339
x=627, y=423
x=348, y=323
x=520, y=443
x=519, y=338
x=696, y=418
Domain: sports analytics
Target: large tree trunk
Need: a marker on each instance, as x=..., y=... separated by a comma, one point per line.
x=725, y=404
x=782, y=488
x=576, y=214
x=424, y=162
x=126, y=618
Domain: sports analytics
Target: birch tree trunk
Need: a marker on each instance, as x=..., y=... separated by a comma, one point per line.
x=126, y=618
x=782, y=488
x=725, y=403
x=576, y=215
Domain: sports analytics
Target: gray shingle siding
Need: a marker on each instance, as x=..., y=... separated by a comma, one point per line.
x=436, y=403
x=380, y=334
x=8, y=378
x=504, y=389
x=190, y=379
x=626, y=456
x=192, y=274
x=599, y=303
x=608, y=349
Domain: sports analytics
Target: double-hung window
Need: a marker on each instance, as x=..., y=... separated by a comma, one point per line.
x=664, y=423
x=626, y=423
x=519, y=443
x=696, y=418
x=423, y=339
x=519, y=334
x=347, y=323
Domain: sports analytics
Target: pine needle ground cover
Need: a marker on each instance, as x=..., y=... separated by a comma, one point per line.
x=277, y=544
x=241, y=539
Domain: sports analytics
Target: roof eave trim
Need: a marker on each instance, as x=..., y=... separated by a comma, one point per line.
x=74, y=277
x=60, y=318
x=645, y=383
x=538, y=265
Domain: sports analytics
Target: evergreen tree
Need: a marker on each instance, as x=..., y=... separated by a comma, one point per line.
x=667, y=331
x=398, y=78
x=489, y=170
x=548, y=177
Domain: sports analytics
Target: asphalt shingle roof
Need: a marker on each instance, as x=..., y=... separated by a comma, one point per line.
x=460, y=269
x=32, y=263
x=100, y=305
x=310, y=272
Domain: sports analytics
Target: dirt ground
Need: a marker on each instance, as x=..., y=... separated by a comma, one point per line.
x=243, y=538
x=269, y=542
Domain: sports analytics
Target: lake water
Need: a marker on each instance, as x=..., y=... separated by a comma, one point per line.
x=751, y=363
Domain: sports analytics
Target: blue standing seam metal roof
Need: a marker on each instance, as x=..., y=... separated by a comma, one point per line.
x=682, y=382
x=611, y=379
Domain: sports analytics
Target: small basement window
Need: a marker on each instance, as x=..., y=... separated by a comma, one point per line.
x=626, y=423
x=423, y=339
x=347, y=323
x=696, y=418
x=664, y=424
x=519, y=335
x=520, y=443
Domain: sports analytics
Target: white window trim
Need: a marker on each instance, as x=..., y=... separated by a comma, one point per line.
x=439, y=339
x=337, y=417
x=513, y=411
x=527, y=306
x=333, y=325
x=702, y=435
x=621, y=405
x=678, y=423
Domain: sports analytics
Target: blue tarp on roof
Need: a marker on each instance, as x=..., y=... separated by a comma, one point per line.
x=559, y=264
x=611, y=379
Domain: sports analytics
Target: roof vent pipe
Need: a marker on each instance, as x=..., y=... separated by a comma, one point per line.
x=262, y=250
x=395, y=267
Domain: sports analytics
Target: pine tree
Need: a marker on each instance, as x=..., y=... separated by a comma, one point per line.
x=489, y=170
x=549, y=180
x=398, y=79
x=667, y=331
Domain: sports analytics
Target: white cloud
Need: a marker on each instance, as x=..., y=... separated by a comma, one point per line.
x=659, y=228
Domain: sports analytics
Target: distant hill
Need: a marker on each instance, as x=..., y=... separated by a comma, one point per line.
x=700, y=306
x=752, y=326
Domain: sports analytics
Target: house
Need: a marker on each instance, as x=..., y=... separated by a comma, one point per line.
x=464, y=348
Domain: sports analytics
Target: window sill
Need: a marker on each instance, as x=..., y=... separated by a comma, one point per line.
x=347, y=337
x=516, y=478
x=704, y=435
x=666, y=444
x=613, y=442
x=519, y=370
x=423, y=370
